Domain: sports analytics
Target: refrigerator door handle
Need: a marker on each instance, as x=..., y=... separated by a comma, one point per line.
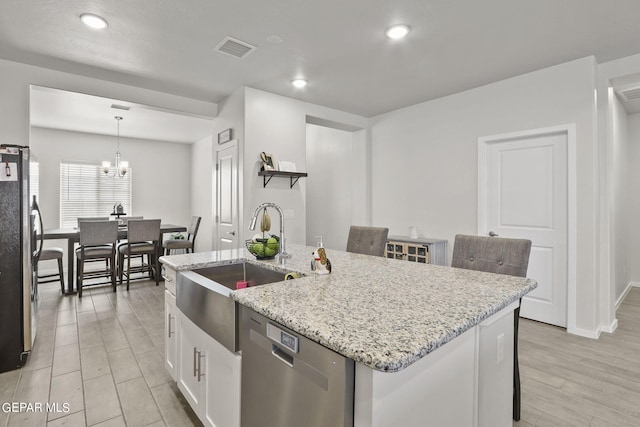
x=39, y=237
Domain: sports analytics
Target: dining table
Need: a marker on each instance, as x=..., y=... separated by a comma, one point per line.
x=72, y=236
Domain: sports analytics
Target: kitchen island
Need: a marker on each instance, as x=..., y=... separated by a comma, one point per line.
x=432, y=344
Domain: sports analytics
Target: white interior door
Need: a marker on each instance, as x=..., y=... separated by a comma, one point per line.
x=227, y=196
x=523, y=193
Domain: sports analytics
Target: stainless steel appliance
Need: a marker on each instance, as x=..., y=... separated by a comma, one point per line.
x=18, y=248
x=289, y=380
x=203, y=296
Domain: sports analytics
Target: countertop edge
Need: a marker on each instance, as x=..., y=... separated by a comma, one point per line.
x=400, y=364
x=380, y=361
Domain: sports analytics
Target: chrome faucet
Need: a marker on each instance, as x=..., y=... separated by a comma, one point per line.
x=283, y=248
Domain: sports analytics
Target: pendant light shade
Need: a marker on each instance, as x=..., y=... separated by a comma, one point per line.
x=121, y=166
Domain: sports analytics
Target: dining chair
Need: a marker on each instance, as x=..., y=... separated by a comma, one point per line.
x=46, y=255
x=187, y=244
x=123, y=222
x=143, y=237
x=367, y=240
x=125, y=219
x=97, y=242
x=502, y=256
x=92, y=218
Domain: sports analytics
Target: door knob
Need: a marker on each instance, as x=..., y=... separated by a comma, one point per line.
x=492, y=234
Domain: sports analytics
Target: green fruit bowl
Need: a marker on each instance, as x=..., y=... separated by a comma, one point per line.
x=263, y=248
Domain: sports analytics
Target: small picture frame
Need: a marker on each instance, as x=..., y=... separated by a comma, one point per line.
x=225, y=136
x=285, y=166
x=268, y=162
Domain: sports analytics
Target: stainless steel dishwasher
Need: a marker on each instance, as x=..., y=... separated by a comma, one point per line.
x=289, y=380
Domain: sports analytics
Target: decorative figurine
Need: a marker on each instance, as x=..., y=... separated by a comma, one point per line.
x=321, y=264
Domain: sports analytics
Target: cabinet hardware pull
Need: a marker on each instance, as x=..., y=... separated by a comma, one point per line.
x=169, y=324
x=200, y=374
x=493, y=234
x=194, y=361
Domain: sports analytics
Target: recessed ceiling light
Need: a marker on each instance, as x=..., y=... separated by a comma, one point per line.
x=299, y=83
x=397, y=31
x=93, y=21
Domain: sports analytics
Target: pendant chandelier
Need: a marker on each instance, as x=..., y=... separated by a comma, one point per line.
x=122, y=166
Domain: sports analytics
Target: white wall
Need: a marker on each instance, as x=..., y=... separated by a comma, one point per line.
x=15, y=79
x=160, y=172
x=611, y=214
x=231, y=116
x=329, y=190
x=620, y=197
x=202, y=193
x=633, y=198
x=424, y=159
x=277, y=125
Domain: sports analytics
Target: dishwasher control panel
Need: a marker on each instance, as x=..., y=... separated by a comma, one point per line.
x=283, y=338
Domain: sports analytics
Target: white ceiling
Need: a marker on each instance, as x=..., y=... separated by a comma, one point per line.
x=58, y=109
x=338, y=45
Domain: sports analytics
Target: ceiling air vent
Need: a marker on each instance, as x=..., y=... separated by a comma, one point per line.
x=234, y=47
x=120, y=107
x=630, y=94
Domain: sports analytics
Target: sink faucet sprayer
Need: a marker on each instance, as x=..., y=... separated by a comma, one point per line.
x=283, y=253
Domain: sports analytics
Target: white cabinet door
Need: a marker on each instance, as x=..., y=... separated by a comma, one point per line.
x=189, y=368
x=222, y=375
x=170, y=334
x=208, y=375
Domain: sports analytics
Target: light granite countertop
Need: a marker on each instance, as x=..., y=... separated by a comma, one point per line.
x=383, y=313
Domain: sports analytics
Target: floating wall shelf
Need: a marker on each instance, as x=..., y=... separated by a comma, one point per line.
x=293, y=176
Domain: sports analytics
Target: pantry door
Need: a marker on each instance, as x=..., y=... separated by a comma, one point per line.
x=523, y=193
x=227, y=232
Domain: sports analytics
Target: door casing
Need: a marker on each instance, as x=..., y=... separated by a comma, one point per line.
x=570, y=131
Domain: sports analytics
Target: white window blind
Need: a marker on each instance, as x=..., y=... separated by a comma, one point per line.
x=85, y=191
x=34, y=182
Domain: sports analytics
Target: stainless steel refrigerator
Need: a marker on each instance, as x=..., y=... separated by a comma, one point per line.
x=20, y=240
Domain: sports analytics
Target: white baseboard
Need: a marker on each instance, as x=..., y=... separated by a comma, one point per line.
x=625, y=292
x=587, y=333
x=611, y=328
x=614, y=325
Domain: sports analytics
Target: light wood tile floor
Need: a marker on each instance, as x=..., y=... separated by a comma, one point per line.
x=574, y=381
x=101, y=355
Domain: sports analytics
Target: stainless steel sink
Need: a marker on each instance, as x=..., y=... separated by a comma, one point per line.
x=229, y=275
x=203, y=296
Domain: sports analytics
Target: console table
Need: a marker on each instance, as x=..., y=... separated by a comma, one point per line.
x=422, y=249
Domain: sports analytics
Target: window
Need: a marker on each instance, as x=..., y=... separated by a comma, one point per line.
x=85, y=191
x=34, y=181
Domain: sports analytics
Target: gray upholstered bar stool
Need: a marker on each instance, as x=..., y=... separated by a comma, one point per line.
x=51, y=254
x=367, y=240
x=143, y=237
x=97, y=242
x=502, y=256
x=184, y=244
